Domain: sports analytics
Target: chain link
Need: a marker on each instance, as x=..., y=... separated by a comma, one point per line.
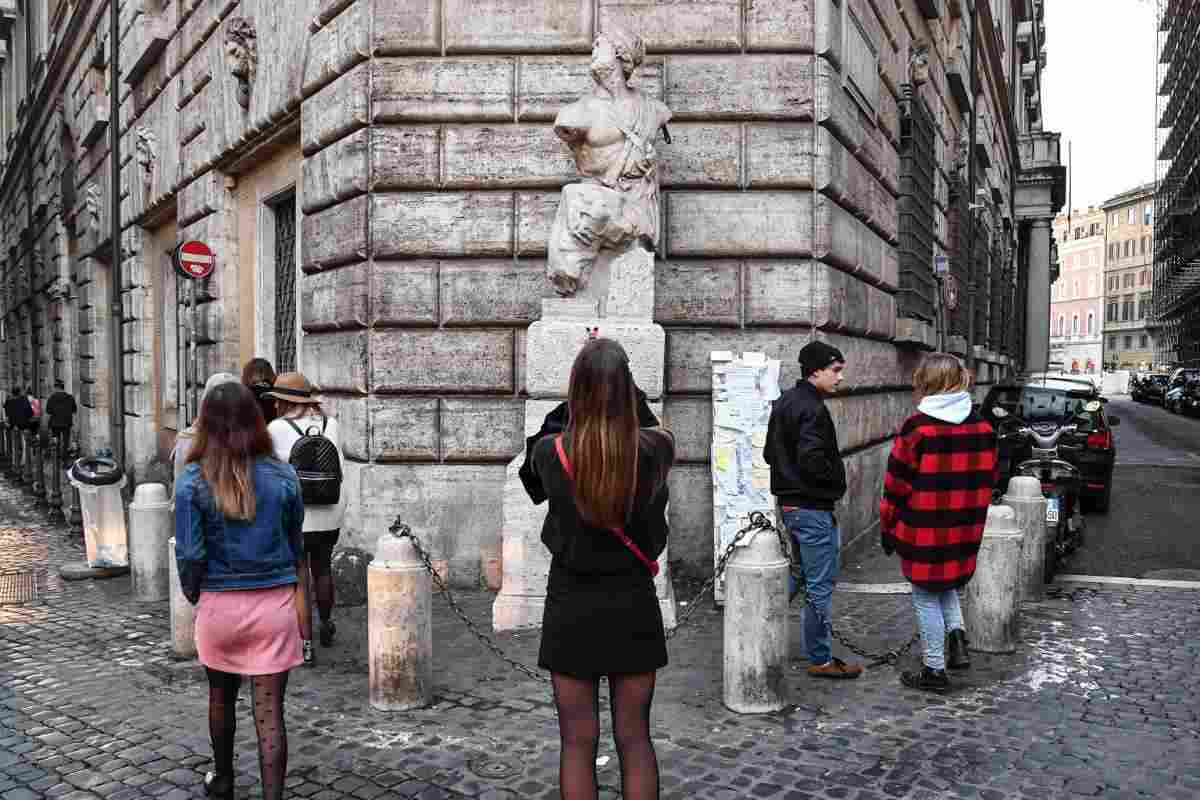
x=758, y=521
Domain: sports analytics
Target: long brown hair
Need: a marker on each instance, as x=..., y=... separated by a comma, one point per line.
x=230, y=435
x=603, y=433
x=258, y=370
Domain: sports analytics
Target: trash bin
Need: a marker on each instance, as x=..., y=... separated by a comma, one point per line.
x=99, y=482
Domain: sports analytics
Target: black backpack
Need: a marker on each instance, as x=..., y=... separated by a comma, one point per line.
x=315, y=459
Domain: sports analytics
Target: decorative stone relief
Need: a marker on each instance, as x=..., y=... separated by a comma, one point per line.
x=146, y=149
x=610, y=133
x=91, y=202
x=918, y=63
x=241, y=55
x=59, y=288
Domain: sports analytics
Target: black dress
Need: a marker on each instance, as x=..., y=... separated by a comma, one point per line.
x=602, y=614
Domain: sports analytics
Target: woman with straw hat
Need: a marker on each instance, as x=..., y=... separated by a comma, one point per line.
x=299, y=415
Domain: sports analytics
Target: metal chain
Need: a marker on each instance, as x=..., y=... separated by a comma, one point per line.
x=757, y=522
x=402, y=531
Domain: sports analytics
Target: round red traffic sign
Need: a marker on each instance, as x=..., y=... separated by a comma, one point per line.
x=194, y=259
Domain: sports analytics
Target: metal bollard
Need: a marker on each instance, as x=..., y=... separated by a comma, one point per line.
x=1025, y=498
x=57, y=445
x=27, y=463
x=756, y=627
x=149, y=529
x=183, y=613
x=399, y=627
x=74, y=511
x=37, y=487
x=5, y=449
x=990, y=602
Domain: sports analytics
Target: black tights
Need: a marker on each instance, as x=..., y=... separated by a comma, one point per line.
x=319, y=550
x=268, y=722
x=578, y=703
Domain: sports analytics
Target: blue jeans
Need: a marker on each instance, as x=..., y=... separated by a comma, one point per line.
x=937, y=613
x=819, y=544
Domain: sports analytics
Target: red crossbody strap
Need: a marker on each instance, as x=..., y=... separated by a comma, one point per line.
x=620, y=534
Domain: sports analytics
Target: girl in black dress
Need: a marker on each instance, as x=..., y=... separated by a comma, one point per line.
x=605, y=478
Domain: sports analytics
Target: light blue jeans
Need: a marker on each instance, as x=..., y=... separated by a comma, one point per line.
x=819, y=544
x=937, y=613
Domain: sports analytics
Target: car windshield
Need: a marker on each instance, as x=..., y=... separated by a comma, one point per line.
x=1041, y=403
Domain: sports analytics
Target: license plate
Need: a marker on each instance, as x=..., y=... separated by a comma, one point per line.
x=1052, y=509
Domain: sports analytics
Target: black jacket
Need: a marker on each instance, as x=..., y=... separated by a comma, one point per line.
x=556, y=422
x=18, y=410
x=802, y=449
x=60, y=409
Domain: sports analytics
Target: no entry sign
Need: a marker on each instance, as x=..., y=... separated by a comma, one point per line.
x=194, y=259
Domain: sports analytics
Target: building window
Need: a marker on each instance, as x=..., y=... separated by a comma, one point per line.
x=1128, y=342
x=1112, y=343
x=1091, y=323
x=1144, y=342
x=1127, y=309
x=1128, y=280
x=1075, y=325
x=285, y=284
x=1131, y=216
x=1110, y=315
x=1149, y=213
x=1061, y=324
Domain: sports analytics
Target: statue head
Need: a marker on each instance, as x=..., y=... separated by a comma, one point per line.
x=617, y=47
x=918, y=63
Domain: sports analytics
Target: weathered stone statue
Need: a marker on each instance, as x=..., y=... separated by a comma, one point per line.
x=611, y=133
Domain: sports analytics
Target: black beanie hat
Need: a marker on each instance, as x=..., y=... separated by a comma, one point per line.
x=818, y=355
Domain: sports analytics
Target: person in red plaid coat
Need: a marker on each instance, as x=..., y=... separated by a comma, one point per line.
x=935, y=499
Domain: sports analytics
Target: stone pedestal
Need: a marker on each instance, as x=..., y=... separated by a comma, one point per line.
x=624, y=288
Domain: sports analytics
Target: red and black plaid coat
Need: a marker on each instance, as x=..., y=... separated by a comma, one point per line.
x=935, y=497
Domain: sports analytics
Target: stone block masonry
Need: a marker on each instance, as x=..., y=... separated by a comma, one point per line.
x=418, y=139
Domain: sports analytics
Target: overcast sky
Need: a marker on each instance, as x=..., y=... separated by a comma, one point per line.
x=1098, y=91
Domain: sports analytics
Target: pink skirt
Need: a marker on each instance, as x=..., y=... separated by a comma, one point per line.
x=249, y=632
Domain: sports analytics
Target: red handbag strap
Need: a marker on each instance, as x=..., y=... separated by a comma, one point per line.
x=651, y=564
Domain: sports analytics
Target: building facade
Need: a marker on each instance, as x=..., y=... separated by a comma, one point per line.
x=1077, y=295
x=377, y=180
x=1177, y=199
x=1129, y=279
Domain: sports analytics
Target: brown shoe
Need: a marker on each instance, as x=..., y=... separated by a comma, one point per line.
x=836, y=669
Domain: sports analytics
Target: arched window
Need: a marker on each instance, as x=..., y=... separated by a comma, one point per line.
x=1062, y=323
x=1091, y=324
x=1075, y=325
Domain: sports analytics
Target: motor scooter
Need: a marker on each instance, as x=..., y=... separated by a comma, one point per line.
x=1061, y=481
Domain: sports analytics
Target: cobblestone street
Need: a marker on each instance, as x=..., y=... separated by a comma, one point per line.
x=1098, y=702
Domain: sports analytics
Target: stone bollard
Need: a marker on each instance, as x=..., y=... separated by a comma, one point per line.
x=756, y=627
x=183, y=613
x=399, y=627
x=150, y=527
x=38, y=486
x=990, y=601
x=1029, y=505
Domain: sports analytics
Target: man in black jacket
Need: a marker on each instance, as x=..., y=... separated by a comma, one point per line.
x=808, y=478
x=60, y=413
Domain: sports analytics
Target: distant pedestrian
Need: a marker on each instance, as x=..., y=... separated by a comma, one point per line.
x=606, y=481
x=808, y=478
x=258, y=376
x=239, y=547
x=300, y=432
x=187, y=436
x=18, y=410
x=935, y=500
x=35, y=406
x=60, y=413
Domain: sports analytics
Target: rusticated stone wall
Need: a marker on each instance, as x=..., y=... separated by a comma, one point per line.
x=427, y=183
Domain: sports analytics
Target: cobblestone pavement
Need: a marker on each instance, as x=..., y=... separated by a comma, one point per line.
x=1099, y=701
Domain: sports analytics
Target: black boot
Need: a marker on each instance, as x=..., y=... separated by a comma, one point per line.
x=927, y=680
x=957, y=656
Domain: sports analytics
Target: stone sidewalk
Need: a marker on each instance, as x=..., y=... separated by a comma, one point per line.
x=1100, y=701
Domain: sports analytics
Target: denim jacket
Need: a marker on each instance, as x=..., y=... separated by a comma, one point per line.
x=216, y=554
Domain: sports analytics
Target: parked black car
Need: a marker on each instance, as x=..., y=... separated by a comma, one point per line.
x=1048, y=404
x=1149, y=388
x=1177, y=393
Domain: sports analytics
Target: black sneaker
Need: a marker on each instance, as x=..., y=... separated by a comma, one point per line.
x=927, y=680
x=328, y=631
x=958, y=655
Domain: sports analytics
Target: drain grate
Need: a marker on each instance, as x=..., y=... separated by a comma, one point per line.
x=18, y=587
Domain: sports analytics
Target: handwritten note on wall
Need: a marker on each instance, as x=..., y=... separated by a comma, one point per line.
x=743, y=390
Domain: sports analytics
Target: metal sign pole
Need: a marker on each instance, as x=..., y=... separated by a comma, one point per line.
x=195, y=354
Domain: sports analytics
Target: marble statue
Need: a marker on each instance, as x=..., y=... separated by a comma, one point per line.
x=611, y=133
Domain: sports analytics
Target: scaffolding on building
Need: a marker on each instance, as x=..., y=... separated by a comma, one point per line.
x=1177, y=175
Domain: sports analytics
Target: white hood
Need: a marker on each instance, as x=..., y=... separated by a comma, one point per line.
x=953, y=407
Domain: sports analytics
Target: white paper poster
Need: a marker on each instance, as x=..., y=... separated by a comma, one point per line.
x=743, y=390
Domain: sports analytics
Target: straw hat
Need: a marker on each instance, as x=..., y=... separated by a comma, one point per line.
x=293, y=387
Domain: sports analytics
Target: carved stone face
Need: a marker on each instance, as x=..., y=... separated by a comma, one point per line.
x=604, y=58
x=918, y=64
